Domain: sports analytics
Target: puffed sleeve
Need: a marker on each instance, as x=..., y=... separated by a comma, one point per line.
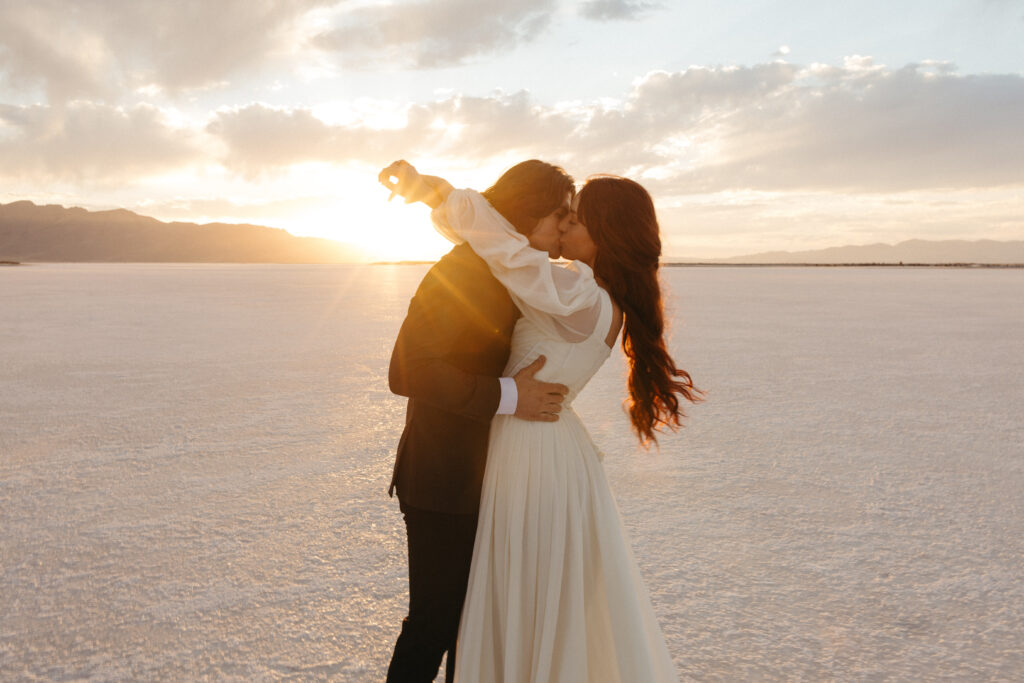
x=561, y=300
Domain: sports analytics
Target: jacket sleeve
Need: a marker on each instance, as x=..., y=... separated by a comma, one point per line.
x=420, y=368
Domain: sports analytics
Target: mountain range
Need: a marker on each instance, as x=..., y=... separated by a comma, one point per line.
x=31, y=232
x=908, y=252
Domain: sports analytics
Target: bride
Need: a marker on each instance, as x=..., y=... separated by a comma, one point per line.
x=554, y=592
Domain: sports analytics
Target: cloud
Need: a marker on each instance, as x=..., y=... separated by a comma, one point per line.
x=778, y=127
x=437, y=33
x=90, y=142
x=610, y=10
x=871, y=129
x=259, y=138
x=39, y=45
x=856, y=127
x=73, y=49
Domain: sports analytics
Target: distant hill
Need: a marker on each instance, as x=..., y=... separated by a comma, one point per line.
x=29, y=232
x=911, y=251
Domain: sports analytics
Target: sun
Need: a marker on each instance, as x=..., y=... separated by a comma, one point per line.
x=394, y=232
x=361, y=216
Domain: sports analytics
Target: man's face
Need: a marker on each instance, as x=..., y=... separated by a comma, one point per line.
x=548, y=231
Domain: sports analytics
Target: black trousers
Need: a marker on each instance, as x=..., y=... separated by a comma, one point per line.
x=440, y=551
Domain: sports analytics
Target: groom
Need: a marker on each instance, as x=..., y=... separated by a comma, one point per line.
x=448, y=358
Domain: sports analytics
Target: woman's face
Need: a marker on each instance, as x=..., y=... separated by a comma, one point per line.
x=575, y=241
x=546, y=235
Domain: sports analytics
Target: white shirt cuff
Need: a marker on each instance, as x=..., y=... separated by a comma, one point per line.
x=509, y=396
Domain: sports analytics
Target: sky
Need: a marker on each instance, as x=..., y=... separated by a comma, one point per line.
x=757, y=125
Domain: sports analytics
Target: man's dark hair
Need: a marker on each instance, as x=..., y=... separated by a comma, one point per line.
x=529, y=191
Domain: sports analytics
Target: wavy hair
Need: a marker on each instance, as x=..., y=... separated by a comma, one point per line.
x=619, y=216
x=529, y=191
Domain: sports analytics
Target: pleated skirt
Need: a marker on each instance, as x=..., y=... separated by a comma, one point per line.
x=554, y=592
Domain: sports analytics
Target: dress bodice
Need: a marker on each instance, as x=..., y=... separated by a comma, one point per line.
x=569, y=363
x=566, y=313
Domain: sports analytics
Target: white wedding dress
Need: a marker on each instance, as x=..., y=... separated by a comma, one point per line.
x=554, y=592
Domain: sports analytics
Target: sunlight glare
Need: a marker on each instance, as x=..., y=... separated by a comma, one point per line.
x=362, y=217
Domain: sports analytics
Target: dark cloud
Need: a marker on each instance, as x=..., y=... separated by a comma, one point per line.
x=194, y=43
x=101, y=50
x=611, y=10
x=40, y=46
x=873, y=130
x=75, y=49
x=675, y=106
x=436, y=33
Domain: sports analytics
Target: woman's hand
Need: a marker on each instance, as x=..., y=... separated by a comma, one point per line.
x=404, y=180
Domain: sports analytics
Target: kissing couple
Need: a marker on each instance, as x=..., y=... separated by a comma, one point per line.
x=519, y=565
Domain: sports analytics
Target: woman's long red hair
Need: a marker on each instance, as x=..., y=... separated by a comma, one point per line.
x=620, y=218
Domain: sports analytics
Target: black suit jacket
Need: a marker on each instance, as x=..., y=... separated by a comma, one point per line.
x=450, y=351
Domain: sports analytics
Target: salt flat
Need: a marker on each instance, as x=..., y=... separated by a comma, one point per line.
x=194, y=462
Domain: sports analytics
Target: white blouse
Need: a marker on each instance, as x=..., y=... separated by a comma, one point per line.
x=563, y=301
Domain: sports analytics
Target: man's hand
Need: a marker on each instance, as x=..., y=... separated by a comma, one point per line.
x=538, y=401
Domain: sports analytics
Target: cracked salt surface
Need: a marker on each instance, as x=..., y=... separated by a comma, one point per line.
x=194, y=462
